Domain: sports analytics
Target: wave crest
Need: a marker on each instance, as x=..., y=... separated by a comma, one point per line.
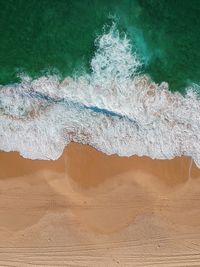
x=114, y=109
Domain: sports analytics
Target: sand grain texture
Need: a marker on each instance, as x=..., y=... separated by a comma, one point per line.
x=89, y=209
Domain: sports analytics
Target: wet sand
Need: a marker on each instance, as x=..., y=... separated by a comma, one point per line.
x=90, y=209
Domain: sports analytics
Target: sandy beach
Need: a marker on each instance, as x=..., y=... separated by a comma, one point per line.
x=90, y=209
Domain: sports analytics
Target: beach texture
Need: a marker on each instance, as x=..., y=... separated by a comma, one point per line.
x=90, y=209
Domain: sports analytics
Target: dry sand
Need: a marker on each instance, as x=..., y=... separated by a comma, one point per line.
x=90, y=209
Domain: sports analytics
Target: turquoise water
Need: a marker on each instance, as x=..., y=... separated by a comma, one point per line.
x=57, y=36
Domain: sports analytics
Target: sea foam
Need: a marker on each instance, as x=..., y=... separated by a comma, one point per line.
x=114, y=109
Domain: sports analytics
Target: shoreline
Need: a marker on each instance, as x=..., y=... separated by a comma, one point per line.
x=143, y=162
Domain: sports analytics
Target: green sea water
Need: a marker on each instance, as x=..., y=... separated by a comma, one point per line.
x=57, y=36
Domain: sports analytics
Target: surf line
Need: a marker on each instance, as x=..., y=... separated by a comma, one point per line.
x=76, y=104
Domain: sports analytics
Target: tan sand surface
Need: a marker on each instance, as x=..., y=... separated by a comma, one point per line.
x=90, y=209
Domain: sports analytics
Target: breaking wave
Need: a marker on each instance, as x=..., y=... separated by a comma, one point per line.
x=114, y=109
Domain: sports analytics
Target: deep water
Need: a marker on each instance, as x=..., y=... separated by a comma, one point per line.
x=57, y=36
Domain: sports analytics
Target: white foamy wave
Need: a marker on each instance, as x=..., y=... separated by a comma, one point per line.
x=114, y=109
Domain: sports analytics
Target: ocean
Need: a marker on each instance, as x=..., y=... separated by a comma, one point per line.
x=122, y=76
x=51, y=36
